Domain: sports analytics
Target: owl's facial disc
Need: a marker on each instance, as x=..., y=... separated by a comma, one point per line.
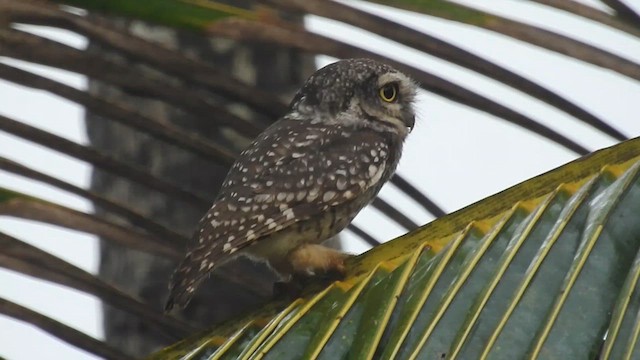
x=358, y=93
x=390, y=101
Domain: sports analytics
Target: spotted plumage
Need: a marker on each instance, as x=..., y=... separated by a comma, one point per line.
x=306, y=177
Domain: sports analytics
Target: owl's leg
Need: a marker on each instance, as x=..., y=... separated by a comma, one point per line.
x=317, y=260
x=309, y=263
x=310, y=260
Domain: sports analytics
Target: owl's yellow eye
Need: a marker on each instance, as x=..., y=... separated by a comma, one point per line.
x=389, y=92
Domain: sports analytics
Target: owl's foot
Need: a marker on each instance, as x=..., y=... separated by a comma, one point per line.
x=311, y=260
x=288, y=290
x=311, y=263
x=294, y=287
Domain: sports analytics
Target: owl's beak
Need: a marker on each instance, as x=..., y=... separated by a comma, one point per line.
x=410, y=121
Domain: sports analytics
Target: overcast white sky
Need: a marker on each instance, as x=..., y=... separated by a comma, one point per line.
x=455, y=154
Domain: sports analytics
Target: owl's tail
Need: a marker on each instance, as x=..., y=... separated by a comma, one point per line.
x=184, y=282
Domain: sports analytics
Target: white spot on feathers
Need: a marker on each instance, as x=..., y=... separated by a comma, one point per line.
x=328, y=196
x=313, y=194
x=289, y=214
x=378, y=175
x=341, y=184
x=264, y=197
x=372, y=170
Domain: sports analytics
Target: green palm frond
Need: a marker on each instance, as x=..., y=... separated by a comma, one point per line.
x=509, y=277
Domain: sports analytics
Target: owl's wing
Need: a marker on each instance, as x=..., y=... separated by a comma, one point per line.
x=278, y=181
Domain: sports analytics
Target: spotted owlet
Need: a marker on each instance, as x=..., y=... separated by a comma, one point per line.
x=306, y=177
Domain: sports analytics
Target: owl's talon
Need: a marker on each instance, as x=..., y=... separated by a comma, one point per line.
x=335, y=274
x=293, y=288
x=287, y=289
x=312, y=260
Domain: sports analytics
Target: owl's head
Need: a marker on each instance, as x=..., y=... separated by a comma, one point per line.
x=358, y=93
